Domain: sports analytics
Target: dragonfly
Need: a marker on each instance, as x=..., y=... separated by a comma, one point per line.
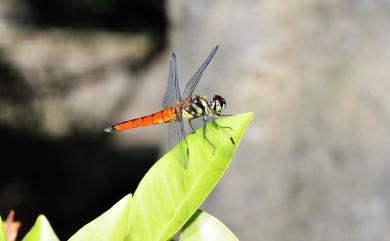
x=177, y=107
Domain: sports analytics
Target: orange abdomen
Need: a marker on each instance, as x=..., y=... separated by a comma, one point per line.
x=164, y=116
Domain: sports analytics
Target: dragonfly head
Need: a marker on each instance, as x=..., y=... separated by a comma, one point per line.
x=218, y=103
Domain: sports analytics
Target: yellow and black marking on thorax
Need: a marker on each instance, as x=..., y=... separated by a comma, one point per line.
x=196, y=107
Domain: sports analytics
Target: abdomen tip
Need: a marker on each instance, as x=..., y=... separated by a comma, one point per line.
x=109, y=129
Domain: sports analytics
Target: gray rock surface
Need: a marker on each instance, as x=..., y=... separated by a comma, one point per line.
x=314, y=163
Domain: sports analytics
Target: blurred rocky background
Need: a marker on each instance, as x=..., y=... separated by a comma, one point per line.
x=313, y=165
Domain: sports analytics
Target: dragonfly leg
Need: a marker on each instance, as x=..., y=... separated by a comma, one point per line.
x=205, y=137
x=187, y=149
x=183, y=133
x=216, y=125
x=219, y=127
x=193, y=130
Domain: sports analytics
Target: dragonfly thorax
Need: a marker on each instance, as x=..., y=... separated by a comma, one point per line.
x=197, y=106
x=217, y=104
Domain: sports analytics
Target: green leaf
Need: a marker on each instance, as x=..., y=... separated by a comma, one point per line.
x=204, y=227
x=170, y=193
x=41, y=231
x=2, y=231
x=111, y=225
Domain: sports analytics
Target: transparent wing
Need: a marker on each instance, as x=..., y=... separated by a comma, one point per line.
x=191, y=85
x=176, y=135
x=172, y=93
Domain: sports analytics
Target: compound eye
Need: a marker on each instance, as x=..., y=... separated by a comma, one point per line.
x=223, y=105
x=218, y=103
x=217, y=106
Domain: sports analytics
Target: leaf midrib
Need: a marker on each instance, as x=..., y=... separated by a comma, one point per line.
x=187, y=197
